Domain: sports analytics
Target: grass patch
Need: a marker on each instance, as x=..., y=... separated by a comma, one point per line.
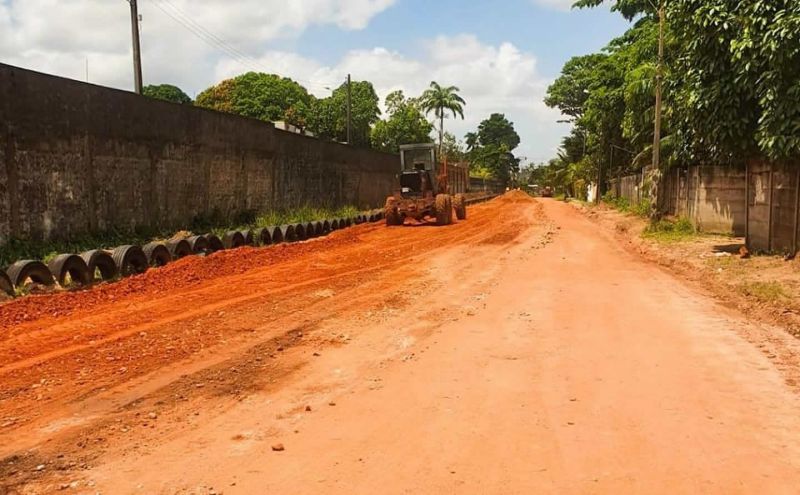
x=17, y=249
x=641, y=209
x=769, y=292
x=670, y=230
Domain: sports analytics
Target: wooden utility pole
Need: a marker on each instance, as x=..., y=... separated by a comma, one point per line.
x=137, y=55
x=349, y=109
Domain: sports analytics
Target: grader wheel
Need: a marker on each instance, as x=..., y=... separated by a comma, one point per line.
x=391, y=213
x=443, y=207
x=460, y=205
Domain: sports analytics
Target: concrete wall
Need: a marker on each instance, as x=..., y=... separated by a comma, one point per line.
x=712, y=197
x=773, y=218
x=78, y=158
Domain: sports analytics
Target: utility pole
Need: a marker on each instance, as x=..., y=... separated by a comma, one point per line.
x=657, y=131
x=349, y=109
x=137, y=55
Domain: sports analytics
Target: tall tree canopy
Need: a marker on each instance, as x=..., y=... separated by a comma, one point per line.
x=261, y=96
x=166, y=92
x=328, y=116
x=732, y=78
x=494, y=143
x=405, y=125
x=442, y=101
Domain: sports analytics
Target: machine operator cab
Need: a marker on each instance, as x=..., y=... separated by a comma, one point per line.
x=418, y=174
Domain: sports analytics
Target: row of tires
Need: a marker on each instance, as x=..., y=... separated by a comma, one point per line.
x=105, y=265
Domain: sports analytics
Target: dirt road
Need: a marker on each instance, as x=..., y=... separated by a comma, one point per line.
x=521, y=351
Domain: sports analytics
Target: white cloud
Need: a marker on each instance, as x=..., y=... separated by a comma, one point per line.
x=492, y=79
x=59, y=36
x=556, y=4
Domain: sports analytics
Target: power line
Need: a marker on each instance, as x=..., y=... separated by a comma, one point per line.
x=205, y=35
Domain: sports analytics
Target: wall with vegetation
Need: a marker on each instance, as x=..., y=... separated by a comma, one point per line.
x=78, y=158
x=712, y=197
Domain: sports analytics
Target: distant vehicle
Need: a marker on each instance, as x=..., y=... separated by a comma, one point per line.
x=547, y=192
x=423, y=189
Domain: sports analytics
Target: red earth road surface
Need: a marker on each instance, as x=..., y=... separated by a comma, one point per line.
x=520, y=351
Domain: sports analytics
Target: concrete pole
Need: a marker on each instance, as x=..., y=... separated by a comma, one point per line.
x=349, y=109
x=137, y=55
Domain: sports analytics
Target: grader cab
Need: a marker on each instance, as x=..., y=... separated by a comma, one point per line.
x=423, y=189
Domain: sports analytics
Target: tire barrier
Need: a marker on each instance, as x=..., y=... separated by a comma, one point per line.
x=214, y=243
x=179, y=248
x=70, y=265
x=233, y=239
x=130, y=260
x=287, y=233
x=38, y=273
x=198, y=243
x=263, y=236
x=98, y=260
x=300, y=233
x=318, y=230
x=5, y=284
x=311, y=229
x=249, y=238
x=157, y=254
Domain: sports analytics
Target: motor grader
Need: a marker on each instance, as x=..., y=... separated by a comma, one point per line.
x=423, y=191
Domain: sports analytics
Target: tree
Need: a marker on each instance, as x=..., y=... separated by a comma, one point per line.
x=498, y=130
x=166, y=92
x=406, y=124
x=261, y=96
x=440, y=101
x=328, y=116
x=570, y=92
x=493, y=146
x=453, y=149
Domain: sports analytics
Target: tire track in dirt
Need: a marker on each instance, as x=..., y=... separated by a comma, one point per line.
x=83, y=369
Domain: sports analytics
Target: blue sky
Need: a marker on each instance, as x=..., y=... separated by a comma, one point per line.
x=502, y=54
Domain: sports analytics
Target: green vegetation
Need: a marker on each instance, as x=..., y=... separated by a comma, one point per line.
x=641, y=209
x=16, y=249
x=406, y=124
x=490, y=149
x=769, y=292
x=167, y=92
x=260, y=96
x=670, y=230
x=327, y=118
x=441, y=101
x=731, y=90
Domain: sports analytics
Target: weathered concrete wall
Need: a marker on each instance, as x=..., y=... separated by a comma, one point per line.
x=712, y=197
x=773, y=217
x=78, y=158
x=627, y=187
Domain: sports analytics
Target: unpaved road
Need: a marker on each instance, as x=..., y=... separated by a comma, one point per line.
x=521, y=351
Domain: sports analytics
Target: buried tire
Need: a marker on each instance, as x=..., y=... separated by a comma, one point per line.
x=157, y=254
x=214, y=243
x=6, y=287
x=72, y=265
x=179, y=248
x=130, y=260
x=233, y=239
x=35, y=271
x=98, y=260
x=198, y=244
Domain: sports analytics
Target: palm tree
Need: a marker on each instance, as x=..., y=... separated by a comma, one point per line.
x=440, y=101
